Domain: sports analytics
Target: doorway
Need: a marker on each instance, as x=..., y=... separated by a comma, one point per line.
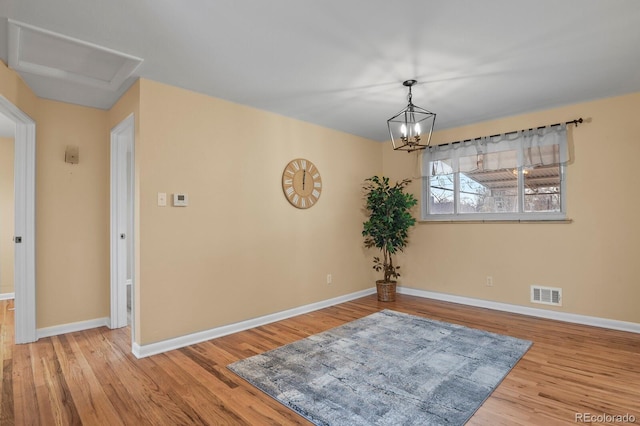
x=122, y=224
x=7, y=207
x=24, y=221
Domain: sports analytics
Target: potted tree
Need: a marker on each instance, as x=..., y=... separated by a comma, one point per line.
x=387, y=228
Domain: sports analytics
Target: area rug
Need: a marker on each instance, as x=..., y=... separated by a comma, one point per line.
x=388, y=368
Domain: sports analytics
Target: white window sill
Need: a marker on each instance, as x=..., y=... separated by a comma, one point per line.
x=496, y=221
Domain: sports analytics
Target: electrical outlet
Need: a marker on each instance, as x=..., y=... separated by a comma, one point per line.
x=329, y=279
x=489, y=281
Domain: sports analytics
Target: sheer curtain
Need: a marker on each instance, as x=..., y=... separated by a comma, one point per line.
x=526, y=148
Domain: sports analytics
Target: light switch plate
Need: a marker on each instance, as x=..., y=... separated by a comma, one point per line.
x=162, y=199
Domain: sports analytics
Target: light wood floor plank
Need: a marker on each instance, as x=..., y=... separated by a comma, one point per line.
x=88, y=394
x=91, y=377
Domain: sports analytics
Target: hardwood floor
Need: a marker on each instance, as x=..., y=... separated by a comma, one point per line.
x=91, y=377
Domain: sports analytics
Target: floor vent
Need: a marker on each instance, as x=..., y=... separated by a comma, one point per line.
x=546, y=295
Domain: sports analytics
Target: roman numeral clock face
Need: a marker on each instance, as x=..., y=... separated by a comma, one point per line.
x=301, y=183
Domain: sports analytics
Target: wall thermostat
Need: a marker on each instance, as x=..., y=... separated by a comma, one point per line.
x=180, y=200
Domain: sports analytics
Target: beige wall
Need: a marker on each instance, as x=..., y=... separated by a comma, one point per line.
x=594, y=258
x=16, y=91
x=237, y=252
x=6, y=215
x=240, y=250
x=72, y=215
x=72, y=206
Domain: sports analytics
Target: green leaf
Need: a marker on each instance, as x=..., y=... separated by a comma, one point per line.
x=389, y=220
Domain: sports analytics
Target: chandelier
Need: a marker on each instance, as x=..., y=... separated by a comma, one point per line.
x=411, y=128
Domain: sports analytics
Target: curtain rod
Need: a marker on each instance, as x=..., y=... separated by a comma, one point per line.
x=576, y=122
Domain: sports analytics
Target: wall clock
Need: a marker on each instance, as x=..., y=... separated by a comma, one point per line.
x=301, y=183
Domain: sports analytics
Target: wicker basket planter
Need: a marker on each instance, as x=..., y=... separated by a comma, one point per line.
x=386, y=290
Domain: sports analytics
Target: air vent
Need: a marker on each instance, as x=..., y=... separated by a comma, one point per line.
x=546, y=295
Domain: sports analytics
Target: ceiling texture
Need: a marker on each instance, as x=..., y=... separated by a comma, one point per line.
x=336, y=63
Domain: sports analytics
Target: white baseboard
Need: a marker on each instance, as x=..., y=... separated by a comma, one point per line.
x=141, y=351
x=524, y=310
x=71, y=327
x=7, y=296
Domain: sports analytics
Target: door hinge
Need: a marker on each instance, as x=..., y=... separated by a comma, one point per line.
x=17, y=240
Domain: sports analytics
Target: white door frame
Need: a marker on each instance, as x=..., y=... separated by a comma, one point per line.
x=122, y=142
x=25, y=223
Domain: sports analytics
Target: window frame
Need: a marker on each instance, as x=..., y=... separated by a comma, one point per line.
x=518, y=216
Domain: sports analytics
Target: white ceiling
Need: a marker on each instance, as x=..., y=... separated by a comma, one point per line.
x=341, y=63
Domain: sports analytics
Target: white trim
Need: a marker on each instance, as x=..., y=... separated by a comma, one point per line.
x=141, y=351
x=122, y=136
x=72, y=327
x=7, y=296
x=524, y=310
x=25, y=222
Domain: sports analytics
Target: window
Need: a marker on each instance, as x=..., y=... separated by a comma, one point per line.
x=519, y=176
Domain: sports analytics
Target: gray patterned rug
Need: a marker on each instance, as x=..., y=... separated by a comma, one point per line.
x=387, y=368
